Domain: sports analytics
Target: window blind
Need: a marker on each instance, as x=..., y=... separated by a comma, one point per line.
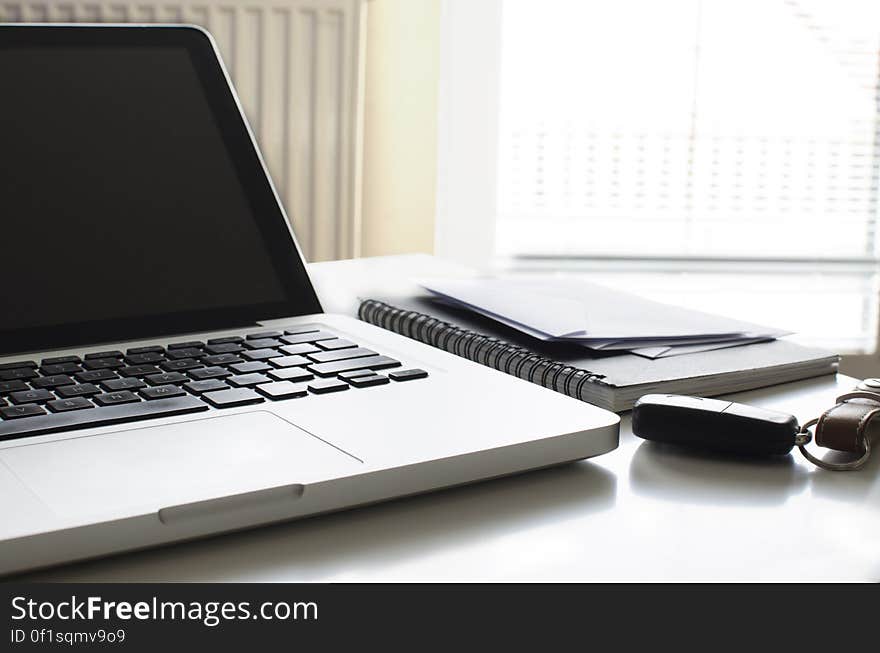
x=689, y=128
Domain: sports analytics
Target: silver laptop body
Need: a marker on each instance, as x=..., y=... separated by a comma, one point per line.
x=293, y=413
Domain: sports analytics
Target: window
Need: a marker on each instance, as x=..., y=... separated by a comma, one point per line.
x=701, y=151
x=708, y=128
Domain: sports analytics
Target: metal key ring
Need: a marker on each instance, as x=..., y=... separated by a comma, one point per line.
x=804, y=437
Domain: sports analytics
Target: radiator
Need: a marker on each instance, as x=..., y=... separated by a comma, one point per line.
x=298, y=68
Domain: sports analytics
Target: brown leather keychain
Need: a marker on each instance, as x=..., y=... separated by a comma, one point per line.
x=843, y=427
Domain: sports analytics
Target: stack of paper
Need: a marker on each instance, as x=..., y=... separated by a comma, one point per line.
x=597, y=317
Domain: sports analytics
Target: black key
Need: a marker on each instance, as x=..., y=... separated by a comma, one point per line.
x=225, y=340
x=162, y=392
x=289, y=361
x=139, y=370
x=80, y=419
x=260, y=335
x=115, y=353
x=260, y=354
x=305, y=328
x=203, y=373
x=96, y=375
x=249, y=367
x=233, y=397
x=12, y=386
x=320, y=386
x=314, y=336
x=209, y=385
x=338, y=343
x=60, y=368
x=152, y=349
x=18, y=365
x=58, y=360
x=31, y=396
x=282, y=390
x=407, y=375
x=102, y=363
x=221, y=359
x=341, y=354
x=166, y=377
x=224, y=348
x=181, y=365
x=303, y=348
x=367, y=381
x=64, y=405
x=131, y=383
x=15, y=412
x=53, y=381
x=37, y=396
x=18, y=374
x=369, y=363
x=146, y=357
x=189, y=344
x=78, y=390
x=291, y=374
x=116, y=398
x=247, y=380
x=262, y=343
x=355, y=374
x=185, y=352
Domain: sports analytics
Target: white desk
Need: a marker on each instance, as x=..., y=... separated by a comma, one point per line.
x=640, y=513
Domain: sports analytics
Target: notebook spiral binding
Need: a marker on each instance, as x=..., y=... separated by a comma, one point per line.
x=486, y=350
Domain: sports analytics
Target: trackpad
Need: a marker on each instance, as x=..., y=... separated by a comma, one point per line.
x=142, y=470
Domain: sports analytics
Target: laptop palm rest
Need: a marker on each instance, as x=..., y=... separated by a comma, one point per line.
x=180, y=470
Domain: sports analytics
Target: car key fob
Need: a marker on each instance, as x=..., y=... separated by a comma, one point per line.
x=714, y=424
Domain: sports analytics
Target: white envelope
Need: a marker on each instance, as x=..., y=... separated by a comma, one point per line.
x=681, y=350
x=591, y=314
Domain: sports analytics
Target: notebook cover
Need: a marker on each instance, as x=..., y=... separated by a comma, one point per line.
x=622, y=370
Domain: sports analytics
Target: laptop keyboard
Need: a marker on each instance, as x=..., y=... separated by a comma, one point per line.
x=113, y=387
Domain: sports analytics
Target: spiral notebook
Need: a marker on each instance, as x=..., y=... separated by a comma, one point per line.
x=612, y=380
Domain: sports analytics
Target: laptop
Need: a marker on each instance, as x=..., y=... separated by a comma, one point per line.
x=166, y=369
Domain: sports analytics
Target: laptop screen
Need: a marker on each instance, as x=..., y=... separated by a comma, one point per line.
x=131, y=205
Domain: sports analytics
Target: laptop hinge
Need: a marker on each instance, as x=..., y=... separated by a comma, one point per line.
x=281, y=321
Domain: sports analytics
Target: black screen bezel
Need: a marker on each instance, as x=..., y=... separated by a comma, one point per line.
x=300, y=297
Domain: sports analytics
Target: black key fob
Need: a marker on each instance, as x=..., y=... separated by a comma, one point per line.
x=714, y=424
